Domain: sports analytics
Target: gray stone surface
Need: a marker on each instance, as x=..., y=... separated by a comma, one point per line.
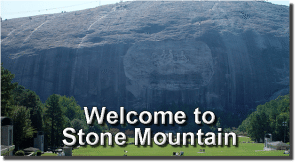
x=223, y=55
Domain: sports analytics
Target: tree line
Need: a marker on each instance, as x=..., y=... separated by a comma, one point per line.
x=272, y=117
x=30, y=114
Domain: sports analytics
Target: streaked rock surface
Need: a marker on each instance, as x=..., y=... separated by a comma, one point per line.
x=223, y=55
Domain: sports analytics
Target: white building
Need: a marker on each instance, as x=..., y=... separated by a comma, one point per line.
x=7, y=146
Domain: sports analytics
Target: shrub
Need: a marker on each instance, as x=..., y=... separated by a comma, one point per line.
x=20, y=153
x=39, y=153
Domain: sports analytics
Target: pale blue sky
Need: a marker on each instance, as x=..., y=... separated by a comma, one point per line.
x=14, y=9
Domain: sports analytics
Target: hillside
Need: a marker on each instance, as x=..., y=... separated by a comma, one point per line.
x=141, y=55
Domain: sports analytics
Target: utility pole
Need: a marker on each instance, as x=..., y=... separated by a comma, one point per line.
x=285, y=125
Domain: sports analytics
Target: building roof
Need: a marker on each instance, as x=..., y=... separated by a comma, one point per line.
x=31, y=149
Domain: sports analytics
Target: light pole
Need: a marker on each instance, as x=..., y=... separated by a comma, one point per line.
x=285, y=125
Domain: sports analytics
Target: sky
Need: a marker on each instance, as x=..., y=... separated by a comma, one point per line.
x=16, y=8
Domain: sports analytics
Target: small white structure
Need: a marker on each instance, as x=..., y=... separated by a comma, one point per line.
x=7, y=146
x=268, y=139
x=274, y=145
x=39, y=140
x=67, y=151
x=60, y=154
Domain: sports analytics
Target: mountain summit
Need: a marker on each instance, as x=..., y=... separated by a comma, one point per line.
x=141, y=55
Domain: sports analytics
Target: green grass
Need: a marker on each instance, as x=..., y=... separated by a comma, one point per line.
x=243, y=149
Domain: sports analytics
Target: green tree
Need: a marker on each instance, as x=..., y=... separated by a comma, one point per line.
x=29, y=99
x=78, y=124
x=251, y=129
x=282, y=111
x=70, y=108
x=259, y=126
x=22, y=126
x=54, y=119
x=269, y=118
x=244, y=126
x=6, y=89
x=96, y=128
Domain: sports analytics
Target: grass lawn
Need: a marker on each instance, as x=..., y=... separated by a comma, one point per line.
x=243, y=149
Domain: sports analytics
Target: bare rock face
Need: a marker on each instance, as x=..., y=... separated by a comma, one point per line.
x=218, y=55
x=169, y=65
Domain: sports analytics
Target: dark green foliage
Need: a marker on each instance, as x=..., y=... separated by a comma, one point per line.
x=78, y=124
x=269, y=118
x=62, y=112
x=29, y=114
x=70, y=108
x=29, y=99
x=6, y=89
x=258, y=125
x=54, y=117
x=39, y=153
x=20, y=153
x=22, y=126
